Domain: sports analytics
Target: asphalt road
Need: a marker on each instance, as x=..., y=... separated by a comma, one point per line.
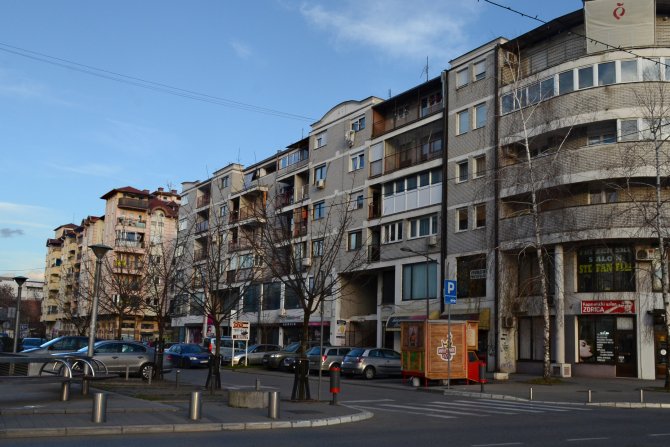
x=409, y=417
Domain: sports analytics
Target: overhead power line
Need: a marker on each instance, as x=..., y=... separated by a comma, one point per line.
x=147, y=84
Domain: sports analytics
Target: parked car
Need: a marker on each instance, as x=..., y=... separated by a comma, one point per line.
x=6, y=343
x=274, y=360
x=253, y=355
x=226, y=344
x=326, y=357
x=371, y=362
x=32, y=342
x=66, y=343
x=117, y=355
x=188, y=355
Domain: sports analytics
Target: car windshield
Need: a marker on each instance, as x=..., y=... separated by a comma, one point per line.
x=314, y=351
x=192, y=349
x=355, y=353
x=293, y=347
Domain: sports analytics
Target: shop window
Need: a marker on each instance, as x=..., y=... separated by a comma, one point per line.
x=596, y=339
x=471, y=276
x=605, y=269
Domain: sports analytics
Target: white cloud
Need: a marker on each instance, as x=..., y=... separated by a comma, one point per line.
x=90, y=169
x=397, y=28
x=22, y=216
x=242, y=50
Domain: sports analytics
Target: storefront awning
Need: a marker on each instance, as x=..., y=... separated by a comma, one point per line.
x=483, y=317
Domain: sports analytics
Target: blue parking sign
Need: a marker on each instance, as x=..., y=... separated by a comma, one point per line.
x=449, y=291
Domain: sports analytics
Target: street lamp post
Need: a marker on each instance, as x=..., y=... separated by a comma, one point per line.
x=19, y=280
x=99, y=250
x=428, y=261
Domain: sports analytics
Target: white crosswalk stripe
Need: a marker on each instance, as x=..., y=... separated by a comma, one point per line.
x=461, y=408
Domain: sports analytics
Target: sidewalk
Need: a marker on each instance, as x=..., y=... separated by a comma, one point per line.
x=35, y=410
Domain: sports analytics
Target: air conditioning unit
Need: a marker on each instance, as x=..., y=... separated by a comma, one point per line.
x=306, y=262
x=432, y=240
x=507, y=322
x=349, y=137
x=321, y=183
x=646, y=254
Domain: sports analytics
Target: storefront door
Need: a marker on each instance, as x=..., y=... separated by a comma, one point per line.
x=625, y=353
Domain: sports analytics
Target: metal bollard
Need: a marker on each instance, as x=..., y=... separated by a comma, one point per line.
x=127, y=372
x=334, y=383
x=151, y=374
x=482, y=376
x=99, y=408
x=273, y=404
x=84, y=387
x=589, y=397
x=176, y=379
x=258, y=384
x=641, y=396
x=530, y=393
x=195, y=406
x=65, y=391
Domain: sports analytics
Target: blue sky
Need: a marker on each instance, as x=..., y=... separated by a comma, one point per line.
x=274, y=66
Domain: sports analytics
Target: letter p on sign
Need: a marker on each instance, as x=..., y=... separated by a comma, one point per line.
x=449, y=291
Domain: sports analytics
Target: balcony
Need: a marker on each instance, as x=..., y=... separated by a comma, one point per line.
x=202, y=201
x=374, y=253
x=199, y=255
x=405, y=159
x=126, y=222
x=202, y=226
x=127, y=243
x=374, y=210
x=300, y=229
x=239, y=245
x=249, y=214
x=133, y=204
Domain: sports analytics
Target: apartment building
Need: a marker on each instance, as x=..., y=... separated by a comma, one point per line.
x=32, y=294
x=577, y=130
x=136, y=224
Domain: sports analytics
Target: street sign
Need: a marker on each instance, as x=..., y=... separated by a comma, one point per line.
x=449, y=291
x=240, y=330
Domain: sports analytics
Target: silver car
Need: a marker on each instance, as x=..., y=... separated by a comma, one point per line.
x=119, y=354
x=371, y=362
x=327, y=357
x=252, y=356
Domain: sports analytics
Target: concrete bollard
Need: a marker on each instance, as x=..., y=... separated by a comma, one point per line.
x=273, y=404
x=195, y=406
x=65, y=391
x=99, y=408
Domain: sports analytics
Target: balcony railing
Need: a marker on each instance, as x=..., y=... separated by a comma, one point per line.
x=126, y=222
x=300, y=229
x=374, y=253
x=202, y=226
x=239, y=245
x=374, y=210
x=403, y=159
x=139, y=204
x=129, y=243
x=199, y=255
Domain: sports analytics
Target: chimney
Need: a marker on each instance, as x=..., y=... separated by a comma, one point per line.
x=160, y=189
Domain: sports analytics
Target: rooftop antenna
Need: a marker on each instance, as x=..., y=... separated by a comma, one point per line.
x=425, y=69
x=389, y=93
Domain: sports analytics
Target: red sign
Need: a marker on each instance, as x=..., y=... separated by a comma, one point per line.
x=608, y=307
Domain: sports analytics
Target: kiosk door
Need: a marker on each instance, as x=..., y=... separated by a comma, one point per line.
x=625, y=355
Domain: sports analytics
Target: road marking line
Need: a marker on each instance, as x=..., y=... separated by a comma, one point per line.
x=499, y=444
x=659, y=434
x=585, y=439
x=388, y=410
x=460, y=413
x=557, y=407
x=479, y=409
x=366, y=401
x=493, y=406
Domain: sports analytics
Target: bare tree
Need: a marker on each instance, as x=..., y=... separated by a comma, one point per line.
x=314, y=257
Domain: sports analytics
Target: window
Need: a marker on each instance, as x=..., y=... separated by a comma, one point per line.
x=651, y=69
x=400, y=186
x=463, y=122
x=224, y=210
x=183, y=224
x=436, y=176
x=566, y=82
x=319, y=210
x=320, y=173
x=529, y=278
x=471, y=276
x=411, y=183
x=271, y=296
x=358, y=124
x=428, y=148
x=507, y=103
x=419, y=281
x=605, y=269
x=355, y=240
x=388, y=189
x=462, y=171
x=184, y=200
x=629, y=130
x=357, y=162
x=250, y=298
x=392, y=232
x=479, y=166
x=358, y=202
x=291, y=299
x=480, y=115
x=462, y=219
x=629, y=71
x=597, y=338
x=585, y=76
x=479, y=69
x=321, y=139
x=547, y=88
x=430, y=103
x=225, y=181
x=423, y=226
x=424, y=179
x=462, y=77
x=605, y=195
x=606, y=73
x=317, y=248
x=480, y=216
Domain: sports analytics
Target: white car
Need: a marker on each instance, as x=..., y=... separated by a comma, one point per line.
x=252, y=356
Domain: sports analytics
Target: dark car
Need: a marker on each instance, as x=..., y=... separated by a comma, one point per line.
x=188, y=355
x=6, y=343
x=274, y=360
x=67, y=343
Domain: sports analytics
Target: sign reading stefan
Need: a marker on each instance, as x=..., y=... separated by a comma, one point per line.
x=608, y=307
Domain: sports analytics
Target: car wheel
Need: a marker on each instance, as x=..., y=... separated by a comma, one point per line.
x=146, y=370
x=240, y=362
x=369, y=373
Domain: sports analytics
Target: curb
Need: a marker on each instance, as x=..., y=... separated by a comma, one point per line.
x=179, y=428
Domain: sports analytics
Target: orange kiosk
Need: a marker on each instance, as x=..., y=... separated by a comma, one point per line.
x=440, y=350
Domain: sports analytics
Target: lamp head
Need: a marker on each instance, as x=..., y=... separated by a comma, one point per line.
x=20, y=280
x=100, y=250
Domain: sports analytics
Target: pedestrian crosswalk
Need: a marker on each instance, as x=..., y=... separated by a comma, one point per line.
x=450, y=409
